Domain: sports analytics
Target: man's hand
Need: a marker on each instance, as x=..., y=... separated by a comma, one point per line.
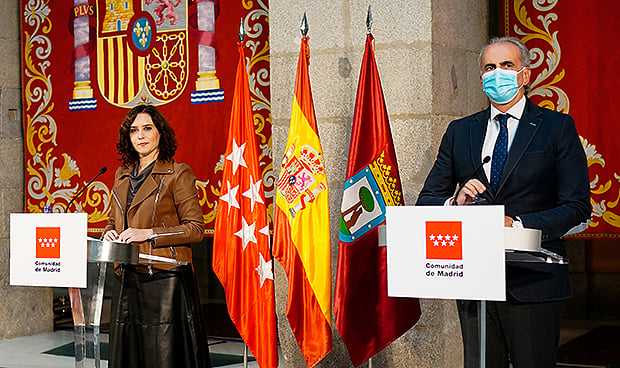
x=469, y=191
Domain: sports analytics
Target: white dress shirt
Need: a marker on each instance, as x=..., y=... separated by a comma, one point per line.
x=515, y=112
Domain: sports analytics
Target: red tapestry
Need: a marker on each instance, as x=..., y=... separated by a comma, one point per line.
x=575, y=59
x=85, y=63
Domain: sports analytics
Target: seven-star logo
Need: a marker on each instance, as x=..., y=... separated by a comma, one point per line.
x=444, y=240
x=48, y=242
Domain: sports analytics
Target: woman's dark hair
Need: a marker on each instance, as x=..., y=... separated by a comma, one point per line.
x=167, y=140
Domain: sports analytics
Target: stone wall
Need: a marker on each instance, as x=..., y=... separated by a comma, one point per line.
x=426, y=52
x=23, y=311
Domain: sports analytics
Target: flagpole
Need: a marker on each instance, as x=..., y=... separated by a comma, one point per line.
x=369, y=31
x=245, y=346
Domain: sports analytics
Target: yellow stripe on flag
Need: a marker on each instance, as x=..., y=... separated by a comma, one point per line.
x=310, y=226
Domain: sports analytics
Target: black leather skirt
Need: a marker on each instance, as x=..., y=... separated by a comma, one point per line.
x=156, y=320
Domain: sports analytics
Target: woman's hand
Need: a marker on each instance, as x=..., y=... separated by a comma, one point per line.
x=135, y=235
x=110, y=235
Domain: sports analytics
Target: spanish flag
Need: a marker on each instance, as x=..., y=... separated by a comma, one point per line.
x=242, y=258
x=301, y=239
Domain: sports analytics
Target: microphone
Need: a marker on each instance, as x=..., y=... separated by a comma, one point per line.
x=101, y=171
x=484, y=161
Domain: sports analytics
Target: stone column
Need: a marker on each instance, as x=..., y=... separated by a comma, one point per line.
x=206, y=53
x=426, y=54
x=207, y=84
x=82, y=88
x=24, y=311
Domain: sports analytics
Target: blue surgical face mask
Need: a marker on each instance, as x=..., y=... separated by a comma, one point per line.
x=501, y=85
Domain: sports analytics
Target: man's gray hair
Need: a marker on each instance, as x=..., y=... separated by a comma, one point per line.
x=525, y=53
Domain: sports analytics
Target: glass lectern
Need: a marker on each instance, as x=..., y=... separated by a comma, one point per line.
x=87, y=303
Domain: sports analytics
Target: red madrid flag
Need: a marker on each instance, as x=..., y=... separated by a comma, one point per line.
x=241, y=255
x=366, y=318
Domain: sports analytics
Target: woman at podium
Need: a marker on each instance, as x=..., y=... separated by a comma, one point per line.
x=156, y=318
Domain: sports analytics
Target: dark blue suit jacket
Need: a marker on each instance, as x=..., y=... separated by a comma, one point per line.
x=545, y=183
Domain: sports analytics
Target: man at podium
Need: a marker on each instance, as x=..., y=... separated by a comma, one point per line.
x=538, y=171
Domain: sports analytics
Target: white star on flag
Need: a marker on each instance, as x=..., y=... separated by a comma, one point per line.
x=264, y=269
x=247, y=233
x=265, y=230
x=455, y=237
x=431, y=237
x=254, y=193
x=231, y=197
x=236, y=156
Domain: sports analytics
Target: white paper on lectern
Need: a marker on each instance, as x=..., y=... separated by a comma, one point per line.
x=479, y=275
x=67, y=271
x=522, y=239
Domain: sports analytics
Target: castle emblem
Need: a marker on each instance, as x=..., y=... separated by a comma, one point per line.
x=366, y=194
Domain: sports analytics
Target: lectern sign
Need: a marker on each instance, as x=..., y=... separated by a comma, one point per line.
x=48, y=242
x=446, y=252
x=443, y=240
x=48, y=249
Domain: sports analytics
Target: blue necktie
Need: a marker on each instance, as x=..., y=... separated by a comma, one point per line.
x=500, y=151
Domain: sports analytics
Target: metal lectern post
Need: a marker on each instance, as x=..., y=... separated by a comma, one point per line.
x=514, y=257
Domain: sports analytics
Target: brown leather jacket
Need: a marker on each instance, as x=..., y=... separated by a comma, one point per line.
x=168, y=203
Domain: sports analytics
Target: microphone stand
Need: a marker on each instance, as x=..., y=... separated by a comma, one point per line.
x=101, y=171
x=483, y=304
x=461, y=185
